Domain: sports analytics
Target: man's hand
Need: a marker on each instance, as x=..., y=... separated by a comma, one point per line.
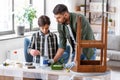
x=50, y=61
x=69, y=65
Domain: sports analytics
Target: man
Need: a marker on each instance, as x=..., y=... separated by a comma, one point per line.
x=67, y=25
x=44, y=42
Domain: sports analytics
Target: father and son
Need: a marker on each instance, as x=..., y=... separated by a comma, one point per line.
x=45, y=43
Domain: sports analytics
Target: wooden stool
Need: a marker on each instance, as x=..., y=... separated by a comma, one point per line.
x=91, y=65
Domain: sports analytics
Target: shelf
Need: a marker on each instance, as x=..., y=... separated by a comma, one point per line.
x=94, y=12
x=82, y=11
x=110, y=12
x=111, y=27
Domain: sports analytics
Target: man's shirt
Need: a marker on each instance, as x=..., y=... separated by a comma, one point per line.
x=87, y=33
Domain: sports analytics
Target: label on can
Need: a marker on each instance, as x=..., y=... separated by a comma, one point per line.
x=43, y=61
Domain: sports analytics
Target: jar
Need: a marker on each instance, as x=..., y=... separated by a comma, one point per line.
x=43, y=61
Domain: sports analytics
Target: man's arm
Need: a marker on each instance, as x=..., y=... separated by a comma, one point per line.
x=62, y=43
x=59, y=53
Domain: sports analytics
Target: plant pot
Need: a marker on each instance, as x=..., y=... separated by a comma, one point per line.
x=82, y=8
x=77, y=8
x=20, y=30
x=109, y=23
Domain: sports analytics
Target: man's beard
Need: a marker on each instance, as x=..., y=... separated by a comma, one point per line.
x=65, y=21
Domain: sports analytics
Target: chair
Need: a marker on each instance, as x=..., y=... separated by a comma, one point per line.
x=91, y=65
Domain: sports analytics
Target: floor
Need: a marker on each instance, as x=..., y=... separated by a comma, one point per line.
x=115, y=73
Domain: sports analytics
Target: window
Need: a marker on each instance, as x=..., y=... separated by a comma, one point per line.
x=9, y=8
x=6, y=17
x=19, y=5
x=40, y=10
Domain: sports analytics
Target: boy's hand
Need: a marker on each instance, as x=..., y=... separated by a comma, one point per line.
x=34, y=52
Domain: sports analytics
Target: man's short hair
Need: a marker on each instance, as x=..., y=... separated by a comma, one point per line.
x=60, y=8
x=43, y=20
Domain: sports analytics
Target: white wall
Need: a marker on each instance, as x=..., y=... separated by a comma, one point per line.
x=117, y=16
x=50, y=4
x=9, y=45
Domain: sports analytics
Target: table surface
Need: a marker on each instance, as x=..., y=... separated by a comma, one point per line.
x=23, y=72
x=37, y=73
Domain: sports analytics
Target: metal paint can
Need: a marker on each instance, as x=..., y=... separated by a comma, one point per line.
x=43, y=61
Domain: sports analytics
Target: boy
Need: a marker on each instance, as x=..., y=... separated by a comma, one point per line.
x=44, y=43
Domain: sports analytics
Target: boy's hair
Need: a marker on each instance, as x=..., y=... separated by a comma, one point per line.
x=43, y=20
x=60, y=8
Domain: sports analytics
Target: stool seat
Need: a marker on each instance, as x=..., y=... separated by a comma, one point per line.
x=91, y=75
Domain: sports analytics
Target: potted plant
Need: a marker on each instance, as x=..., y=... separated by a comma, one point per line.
x=77, y=8
x=110, y=22
x=29, y=15
x=20, y=24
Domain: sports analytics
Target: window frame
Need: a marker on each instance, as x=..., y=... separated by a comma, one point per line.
x=13, y=16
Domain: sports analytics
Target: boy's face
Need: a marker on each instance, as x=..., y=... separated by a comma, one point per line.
x=45, y=28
